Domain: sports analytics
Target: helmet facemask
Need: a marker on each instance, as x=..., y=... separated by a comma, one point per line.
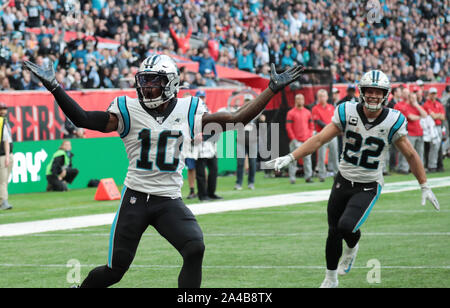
x=368, y=102
x=374, y=79
x=150, y=88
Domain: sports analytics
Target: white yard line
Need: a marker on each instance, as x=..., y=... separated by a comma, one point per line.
x=307, y=267
x=58, y=224
x=276, y=235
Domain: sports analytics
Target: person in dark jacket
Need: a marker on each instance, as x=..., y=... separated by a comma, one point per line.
x=350, y=97
x=59, y=171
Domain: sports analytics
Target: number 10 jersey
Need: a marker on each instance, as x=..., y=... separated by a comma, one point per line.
x=365, y=143
x=154, y=141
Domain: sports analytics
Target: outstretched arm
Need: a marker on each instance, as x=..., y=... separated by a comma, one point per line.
x=249, y=111
x=96, y=120
x=415, y=163
x=243, y=115
x=315, y=142
x=310, y=146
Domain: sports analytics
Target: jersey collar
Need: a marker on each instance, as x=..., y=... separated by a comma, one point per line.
x=160, y=117
x=368, y=125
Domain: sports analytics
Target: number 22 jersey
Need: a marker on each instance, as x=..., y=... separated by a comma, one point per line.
x=365, y=143
x=153, y=142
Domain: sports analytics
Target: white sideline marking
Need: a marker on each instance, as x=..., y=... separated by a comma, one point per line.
x=156, y=266
x=279, y=235
x=58, y=224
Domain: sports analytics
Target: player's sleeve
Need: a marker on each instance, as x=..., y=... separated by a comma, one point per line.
x=195, y=114
x=399, y=129
x=119, y=107
x=340, y=116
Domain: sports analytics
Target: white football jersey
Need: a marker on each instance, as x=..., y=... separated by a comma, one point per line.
x=154, y=142
x=365, y=143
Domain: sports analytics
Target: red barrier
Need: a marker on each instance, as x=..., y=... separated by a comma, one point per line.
x=34, y=115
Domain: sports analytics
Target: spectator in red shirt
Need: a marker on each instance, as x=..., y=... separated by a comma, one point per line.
x=413, y=113
x=213, y=46
x=436, y=110
x=182, y=40
x=402, y=103
x=322, y=114
x=300, y=127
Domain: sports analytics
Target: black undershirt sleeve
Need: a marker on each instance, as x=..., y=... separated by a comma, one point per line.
x=95, y=120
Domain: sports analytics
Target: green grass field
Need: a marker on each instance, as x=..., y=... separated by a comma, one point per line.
x=270, y=248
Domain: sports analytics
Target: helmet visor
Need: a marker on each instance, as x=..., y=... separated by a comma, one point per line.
x=151, y=80
x=150, y=85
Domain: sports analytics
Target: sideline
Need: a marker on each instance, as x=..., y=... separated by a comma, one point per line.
x=58, y=224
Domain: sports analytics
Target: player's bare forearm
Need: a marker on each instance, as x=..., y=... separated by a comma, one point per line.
x=413, y=159
x=308, y=147
x=417, y=168
x=243, y=115
x=315, y=142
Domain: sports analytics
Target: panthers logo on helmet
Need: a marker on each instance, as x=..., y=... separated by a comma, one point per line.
x=151, y=61
x=374, y=79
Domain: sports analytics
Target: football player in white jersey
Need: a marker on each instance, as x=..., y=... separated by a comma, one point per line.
x=153, y=128
x=368, y=129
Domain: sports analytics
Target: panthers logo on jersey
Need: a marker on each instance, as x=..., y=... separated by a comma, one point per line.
x=365, y=142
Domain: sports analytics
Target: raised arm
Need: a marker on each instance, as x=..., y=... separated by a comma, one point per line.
x=250, y=110
x=96, y=120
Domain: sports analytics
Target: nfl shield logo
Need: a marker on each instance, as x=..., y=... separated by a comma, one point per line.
x=132, y=200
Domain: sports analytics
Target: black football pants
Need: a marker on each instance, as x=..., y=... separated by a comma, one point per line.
x=349, y=206
x=171, y=218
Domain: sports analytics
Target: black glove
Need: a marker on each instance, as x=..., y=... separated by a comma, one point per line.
x=279, y=81
x=46, y=76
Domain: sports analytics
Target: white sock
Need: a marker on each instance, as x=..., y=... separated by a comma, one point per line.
x=348, y=250
x=332, y=275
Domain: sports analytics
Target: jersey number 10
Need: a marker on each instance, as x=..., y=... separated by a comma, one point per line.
x=161, y=149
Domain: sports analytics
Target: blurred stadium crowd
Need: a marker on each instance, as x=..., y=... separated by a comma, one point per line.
x=407, y=39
